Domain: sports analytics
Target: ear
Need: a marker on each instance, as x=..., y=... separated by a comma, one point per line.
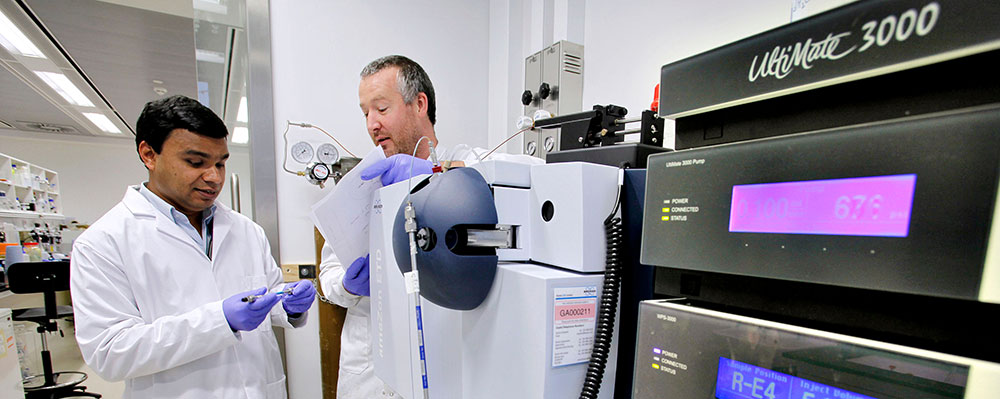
x=147, y=155
x=421, y=103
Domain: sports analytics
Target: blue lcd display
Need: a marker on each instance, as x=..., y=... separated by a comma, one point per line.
x=738, y=380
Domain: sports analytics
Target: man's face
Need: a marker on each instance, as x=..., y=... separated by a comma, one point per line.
x=392, y=124
x=189, y=171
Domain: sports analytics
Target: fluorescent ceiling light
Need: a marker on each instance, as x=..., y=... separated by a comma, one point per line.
x=241, y=114
x=214, y=57
x=102, y=122
x=61, y=84
x=212, y=6
x=15, y=41
x=241, y=135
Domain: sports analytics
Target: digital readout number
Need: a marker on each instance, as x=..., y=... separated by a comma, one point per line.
x=846, y=207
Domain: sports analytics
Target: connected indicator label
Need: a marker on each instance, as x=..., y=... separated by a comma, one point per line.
x=861, y=206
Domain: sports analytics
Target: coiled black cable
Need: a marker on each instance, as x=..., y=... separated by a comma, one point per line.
x=604, y=332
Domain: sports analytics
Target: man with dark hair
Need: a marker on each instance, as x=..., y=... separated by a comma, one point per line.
x=397, y=99
x=173, y=292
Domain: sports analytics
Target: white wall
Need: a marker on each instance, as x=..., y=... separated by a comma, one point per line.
x=318, y=48
x=94, y=172
x=625, y=44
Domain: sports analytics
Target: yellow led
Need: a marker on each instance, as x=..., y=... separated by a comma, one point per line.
x=666, y=209
x=664, y=217
x=656, y=366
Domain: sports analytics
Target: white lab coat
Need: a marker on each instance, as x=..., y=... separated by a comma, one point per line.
x=356, y=379
x=148, y=305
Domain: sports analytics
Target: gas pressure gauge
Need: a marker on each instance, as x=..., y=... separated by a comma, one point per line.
x=302, y=152
x=327, y=153
x=318, y=173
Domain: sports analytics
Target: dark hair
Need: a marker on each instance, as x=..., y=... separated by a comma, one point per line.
x=410, y=80
x=160, y=117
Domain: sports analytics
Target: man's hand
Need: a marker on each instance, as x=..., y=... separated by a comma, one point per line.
x=397, y=168
x=299, y=297
x=356, y=277
x=246, y=316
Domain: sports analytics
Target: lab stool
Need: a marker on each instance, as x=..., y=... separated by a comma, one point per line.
x=46, y=278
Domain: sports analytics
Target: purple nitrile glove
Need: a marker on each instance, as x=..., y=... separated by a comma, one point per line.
x=298, y=297
x=396, y=168
x=356, y=277
x=246, y=316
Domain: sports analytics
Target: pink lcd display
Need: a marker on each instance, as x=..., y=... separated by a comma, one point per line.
x=860, y=206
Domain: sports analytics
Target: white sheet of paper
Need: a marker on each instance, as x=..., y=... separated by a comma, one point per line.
x=343, y=215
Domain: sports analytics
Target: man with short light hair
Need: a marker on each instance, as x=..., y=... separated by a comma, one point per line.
x=397, y=98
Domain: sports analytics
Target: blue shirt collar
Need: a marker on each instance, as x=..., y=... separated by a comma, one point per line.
x=203, y=240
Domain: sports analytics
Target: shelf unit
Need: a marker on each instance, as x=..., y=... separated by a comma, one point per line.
x=24, y=182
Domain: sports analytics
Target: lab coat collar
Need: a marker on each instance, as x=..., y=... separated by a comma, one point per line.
x=223, y=221
x=141, y=208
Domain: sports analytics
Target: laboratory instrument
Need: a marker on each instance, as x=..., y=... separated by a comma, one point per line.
x=553, y=81
x=878, y=201
x=691, y=352
x=515, y=267
x=837, y=175
x=598, y=136
x=328, y=162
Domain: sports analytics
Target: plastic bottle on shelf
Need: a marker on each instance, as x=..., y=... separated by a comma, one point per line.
x=13, y=254
x=33, y=251
x=52, y=206
x=25, y=175
x=4, y=203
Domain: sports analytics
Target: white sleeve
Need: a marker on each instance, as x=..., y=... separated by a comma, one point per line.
x=113, y=337
x=331, y=279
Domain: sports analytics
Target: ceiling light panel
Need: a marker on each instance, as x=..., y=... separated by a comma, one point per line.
x=15, y=41
x=102, y=122
x=62, y=85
